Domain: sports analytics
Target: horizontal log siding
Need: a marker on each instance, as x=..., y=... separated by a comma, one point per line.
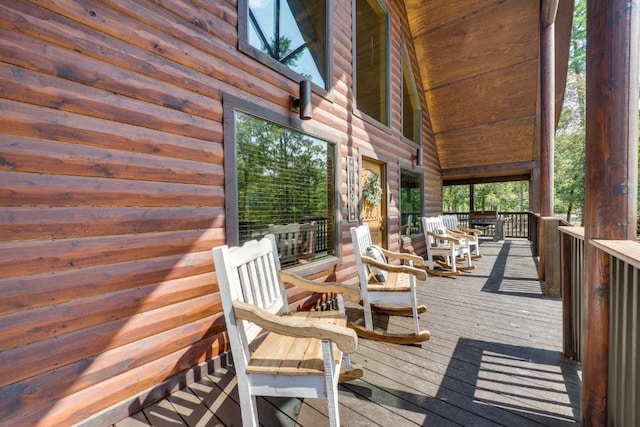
x=112, y=190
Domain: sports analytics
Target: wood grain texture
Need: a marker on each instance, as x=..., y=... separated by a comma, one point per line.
x=478, y=145
x=112, y=189
x=479, y=62
x=610, y=210
x=488, y=98
x=448, y=12
x=471, y=47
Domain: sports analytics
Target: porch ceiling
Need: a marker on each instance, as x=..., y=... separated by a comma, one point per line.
x=479, y=64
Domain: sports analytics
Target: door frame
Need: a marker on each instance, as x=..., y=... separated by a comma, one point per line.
x=384, y=165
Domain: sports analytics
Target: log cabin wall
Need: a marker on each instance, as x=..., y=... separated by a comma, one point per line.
x=112, y=191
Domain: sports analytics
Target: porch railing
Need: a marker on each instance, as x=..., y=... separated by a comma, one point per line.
x=572, y=255
x=250, y=230
x=624, y=331
x=623, y=391
x=516, y=224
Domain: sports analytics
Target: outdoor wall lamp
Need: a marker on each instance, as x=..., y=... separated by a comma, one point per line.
x=418, y=156
x=303, y=103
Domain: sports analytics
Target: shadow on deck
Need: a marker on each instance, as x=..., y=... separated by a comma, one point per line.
x=494, y=358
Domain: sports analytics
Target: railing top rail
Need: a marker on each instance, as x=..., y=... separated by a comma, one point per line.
x=626, y=250
x=573, y=231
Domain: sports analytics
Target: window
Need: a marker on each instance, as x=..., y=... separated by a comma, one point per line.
x=285, y=186
x=411, y=201
x=371, y=63
x=410, y=102
x=288, y=34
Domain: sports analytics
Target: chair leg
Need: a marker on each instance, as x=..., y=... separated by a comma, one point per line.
x=430, y=260
x=248, y=405
x=330, y=385
x=453, y=261
x=368, y=317
x=416, y=320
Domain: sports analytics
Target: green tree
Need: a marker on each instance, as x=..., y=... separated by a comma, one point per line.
x=282, y=175
x=501, y=196
x=570, y=135
x=455, y=198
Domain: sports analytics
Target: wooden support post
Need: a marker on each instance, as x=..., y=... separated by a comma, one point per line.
x=548, y=102
x=547, y=121
x=567, y=298
x=610, y=178
x=553, y=266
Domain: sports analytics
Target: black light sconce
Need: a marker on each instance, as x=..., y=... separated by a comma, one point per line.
x=303, y=103
x=419, y=156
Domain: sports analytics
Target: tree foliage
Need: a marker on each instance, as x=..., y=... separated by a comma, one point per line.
x=283, y=175
x=500, y=196
x=570, y=135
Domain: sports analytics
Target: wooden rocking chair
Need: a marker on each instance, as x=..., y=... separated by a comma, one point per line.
x=302, y=353
x=395, y=294
x=443, y=249
x=471, y=235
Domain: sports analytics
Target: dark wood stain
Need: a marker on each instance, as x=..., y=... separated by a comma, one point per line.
x=112, y=192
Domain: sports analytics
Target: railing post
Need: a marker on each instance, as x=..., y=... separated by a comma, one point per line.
x=568, y=349
x=552, y=267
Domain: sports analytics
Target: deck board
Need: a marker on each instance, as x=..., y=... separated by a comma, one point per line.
x=494, y=358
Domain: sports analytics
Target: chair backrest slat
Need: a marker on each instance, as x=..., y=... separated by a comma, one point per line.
x=249, y=274
x=432, y=224
x=361, y=239
x=450, y=221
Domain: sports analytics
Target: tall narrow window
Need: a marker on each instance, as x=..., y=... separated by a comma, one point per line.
x=371, y=47
x=293, y=33
x=411, y=201
x=410, y=102
x=285, y=187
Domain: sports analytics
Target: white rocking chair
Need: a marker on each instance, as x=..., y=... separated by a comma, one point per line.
x=398, y=288
x=471, y=235
x=442, y=244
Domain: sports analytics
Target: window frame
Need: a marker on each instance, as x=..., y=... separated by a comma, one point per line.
x=413, y=85
x=245, y=47
x=387, y=55
x=415, y=170
x=231, y=104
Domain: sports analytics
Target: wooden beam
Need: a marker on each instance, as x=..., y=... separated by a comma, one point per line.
x=486, y=180
x=548, y=10
x=610, y=178
x=497, y=169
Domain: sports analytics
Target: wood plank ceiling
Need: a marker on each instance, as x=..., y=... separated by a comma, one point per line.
x=479, y=64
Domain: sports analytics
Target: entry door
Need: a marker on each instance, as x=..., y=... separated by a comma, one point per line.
x=373, y=186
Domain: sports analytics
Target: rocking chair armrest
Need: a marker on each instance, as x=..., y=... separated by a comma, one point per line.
x=473, y=231
x=419, y=273
x=443, y=237
x=403, y=256
x=459, y=235
x=345, y=338
x=352, y=292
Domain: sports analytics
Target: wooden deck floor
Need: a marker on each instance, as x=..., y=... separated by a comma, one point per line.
x=493, y=359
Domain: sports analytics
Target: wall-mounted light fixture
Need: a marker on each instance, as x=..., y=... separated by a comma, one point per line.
x=418, y=156
x=303, y=103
